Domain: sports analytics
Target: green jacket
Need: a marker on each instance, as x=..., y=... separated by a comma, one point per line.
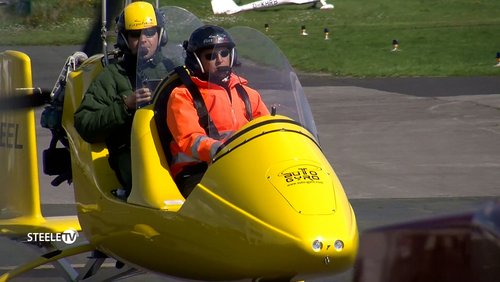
x=102, y=115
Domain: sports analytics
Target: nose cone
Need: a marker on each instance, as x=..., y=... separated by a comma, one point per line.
x=305, y=185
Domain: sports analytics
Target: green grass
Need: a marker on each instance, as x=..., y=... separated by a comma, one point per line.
x=437, y=37
x=51, y=22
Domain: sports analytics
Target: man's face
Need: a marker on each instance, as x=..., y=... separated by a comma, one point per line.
x=143, y=42
x=211, y=59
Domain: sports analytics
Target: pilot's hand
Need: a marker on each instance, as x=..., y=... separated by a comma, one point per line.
x=140, y=96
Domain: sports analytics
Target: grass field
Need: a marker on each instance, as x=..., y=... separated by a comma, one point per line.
x=436, y=37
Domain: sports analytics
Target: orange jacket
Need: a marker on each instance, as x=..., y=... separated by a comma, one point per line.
x=190, y=143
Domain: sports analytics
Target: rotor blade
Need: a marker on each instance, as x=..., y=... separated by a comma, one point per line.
x=93, y=44
x=40, y=97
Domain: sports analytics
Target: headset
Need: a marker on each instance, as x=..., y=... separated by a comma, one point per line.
x=121, y=40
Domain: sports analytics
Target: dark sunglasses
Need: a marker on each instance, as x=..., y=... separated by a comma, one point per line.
x=213, y=55
x=148, y=32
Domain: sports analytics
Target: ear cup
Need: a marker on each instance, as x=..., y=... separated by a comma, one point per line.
x=163, y=39
x=121, y=42
x=161, y=21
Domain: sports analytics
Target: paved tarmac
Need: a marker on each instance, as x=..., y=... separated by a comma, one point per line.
x=404, y=148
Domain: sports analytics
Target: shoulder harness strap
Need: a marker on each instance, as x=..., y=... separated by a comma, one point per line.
x=203, y=116
x=244, y=96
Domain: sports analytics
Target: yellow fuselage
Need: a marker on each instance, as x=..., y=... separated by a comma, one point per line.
x=268, y=197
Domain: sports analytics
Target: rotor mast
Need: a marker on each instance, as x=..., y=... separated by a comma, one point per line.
x=104, y=31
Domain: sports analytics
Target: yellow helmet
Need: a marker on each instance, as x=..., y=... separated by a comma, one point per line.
x=139, y=15
x=136, y=16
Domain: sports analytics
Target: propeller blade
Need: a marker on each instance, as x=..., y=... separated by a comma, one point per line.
x=93, y=44
x=39, y=98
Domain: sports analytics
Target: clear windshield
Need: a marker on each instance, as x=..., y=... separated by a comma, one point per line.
x=259, y=61
x=155, y=62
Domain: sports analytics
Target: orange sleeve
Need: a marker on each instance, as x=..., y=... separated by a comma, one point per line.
x=182, y=120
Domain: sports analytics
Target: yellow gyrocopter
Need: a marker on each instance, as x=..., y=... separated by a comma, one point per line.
x=269, y=208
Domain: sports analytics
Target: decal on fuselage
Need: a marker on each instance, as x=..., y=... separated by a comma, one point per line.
x=305, y=174
x=9, y=135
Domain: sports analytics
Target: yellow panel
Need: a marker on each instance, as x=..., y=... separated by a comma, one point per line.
x=153, y=185
x=25, y=225
x=20, y=211
x=292, y=177
x=18, y=169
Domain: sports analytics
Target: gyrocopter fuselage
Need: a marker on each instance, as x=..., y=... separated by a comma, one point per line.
x=270, y=205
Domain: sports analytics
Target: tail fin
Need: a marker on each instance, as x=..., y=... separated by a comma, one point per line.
x=325, y=6
x=224, y=7
x=18, y=170
x=20, y=210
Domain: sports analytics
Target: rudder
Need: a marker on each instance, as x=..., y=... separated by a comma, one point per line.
x=20, y=208
x=18, y=151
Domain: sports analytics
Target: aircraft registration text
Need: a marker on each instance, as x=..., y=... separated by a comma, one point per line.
x=262, y=4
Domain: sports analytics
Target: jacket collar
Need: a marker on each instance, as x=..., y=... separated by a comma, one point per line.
x=233, y=80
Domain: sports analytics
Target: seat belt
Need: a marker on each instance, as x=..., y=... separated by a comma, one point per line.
x=244, y=96
x=203, y=116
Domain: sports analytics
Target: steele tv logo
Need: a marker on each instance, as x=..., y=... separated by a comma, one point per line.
x=68, y=236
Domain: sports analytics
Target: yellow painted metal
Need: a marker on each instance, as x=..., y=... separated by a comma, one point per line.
x=19, y=171
x=20, y=211
x=276, y=212
x=237, y=223
x=268, y=196
x=153, y=185
x=23, y=225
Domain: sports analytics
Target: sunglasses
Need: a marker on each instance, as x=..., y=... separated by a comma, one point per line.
x=148, y=32
x=213, y=55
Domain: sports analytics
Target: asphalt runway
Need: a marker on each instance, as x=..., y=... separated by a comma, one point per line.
x=404, y=148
